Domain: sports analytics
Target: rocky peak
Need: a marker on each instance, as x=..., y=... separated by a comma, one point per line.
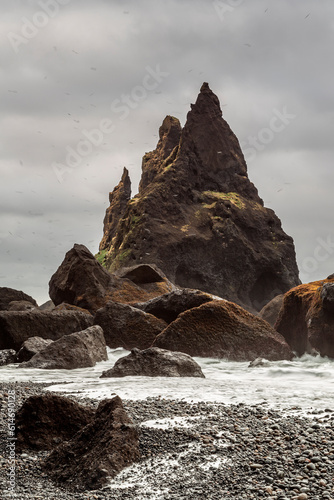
x=118, y=199
x=199, y=218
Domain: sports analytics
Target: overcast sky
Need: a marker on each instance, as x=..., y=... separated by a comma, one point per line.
x=86, y=84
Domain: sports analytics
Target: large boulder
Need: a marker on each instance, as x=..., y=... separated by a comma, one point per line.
x=7, y=357
x=99, y=451
x=306, y=319
x=44, y=421
x=169, y=305
x=18, y=326
x=155, y=362
x=82, y=281
x=199, y=218
x=32, y=346
x=8, y=295
x=222, y=329
x=76, y=350
x=128, y=327
x=271, y=310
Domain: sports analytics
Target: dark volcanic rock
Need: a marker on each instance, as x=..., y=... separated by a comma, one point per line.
x=18, y=326
x=155, y=362
x=221, y=329
x=99, y=451
x=306, y=319
x=271, y=310
x=199, y=218
x=170, y=305
x=8, y=295
x=43, y=422
x=128, y=327
x=118, y=200
x=77, y=350
x=31, y=347
x=20, y=305
x=81, y=281
x=7, y=356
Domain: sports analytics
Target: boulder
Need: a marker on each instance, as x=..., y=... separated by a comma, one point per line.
x=98, y=452
x=32, y=346
x=45, y=421
x=8, y=295
x=18, y=326
x=83, y=282
x=270, y=311
x=155, y=362
x=199, y=218
x=7, y=357
x=47, y=306
x=76, y=350
x=306, y=319
x=169, y=305
x=222, y=329
x=20, y=305
x=128, y=327
x=69, y=307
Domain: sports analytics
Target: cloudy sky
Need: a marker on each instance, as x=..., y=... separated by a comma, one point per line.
x=85, y=85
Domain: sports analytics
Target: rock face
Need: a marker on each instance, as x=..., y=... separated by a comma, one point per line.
x=170, y=305
x=271, y=310
x=118, y=200
x=17, y=326
x=83, y=282
x=7, y=356
x=155, y=362
x=128, y=327
x=43, y=422
x=221, y=329
x=77, y=350
x=198, y=217
x=8, y=295
x=31, y=347
x=306, y=319
x=99, y=451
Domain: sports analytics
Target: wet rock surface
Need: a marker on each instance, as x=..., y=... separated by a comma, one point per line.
x=155, y=362
x=211, y=451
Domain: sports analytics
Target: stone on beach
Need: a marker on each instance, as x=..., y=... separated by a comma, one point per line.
x=155, y=362
x=76, y=350
x=30, y=347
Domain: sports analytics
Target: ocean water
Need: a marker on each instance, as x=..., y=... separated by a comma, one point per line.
x=302, y=385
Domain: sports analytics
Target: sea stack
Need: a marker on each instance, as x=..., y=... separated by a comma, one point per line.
x=198, y=217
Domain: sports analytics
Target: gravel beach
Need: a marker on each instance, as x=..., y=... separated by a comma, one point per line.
x=195, y=451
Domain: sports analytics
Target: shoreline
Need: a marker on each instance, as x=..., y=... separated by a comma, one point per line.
x=208, y=450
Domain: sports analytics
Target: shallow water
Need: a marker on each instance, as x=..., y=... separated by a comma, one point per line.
x=306, y=383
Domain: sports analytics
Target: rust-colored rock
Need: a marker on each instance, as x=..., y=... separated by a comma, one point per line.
x=45, y=421
x=306, y=319
x=128, y=327
x=99, y=451
x=198, y=217
x=222, y=329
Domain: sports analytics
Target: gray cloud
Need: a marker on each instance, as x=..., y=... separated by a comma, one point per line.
x=258, y=57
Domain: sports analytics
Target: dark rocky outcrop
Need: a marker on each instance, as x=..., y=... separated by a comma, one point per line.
x=306, y=319
x=170, y=305
x=198, y=217
x=118, y=200
x=8, y=295
x=271, y=310
x=99, y=451
x=83, y=282
x=31, y=347
x=155, y=362
x=221, y=329
x=18, y=326
x=76, y=350
x=45, y=421
x=128, y=327
x=7, y=357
